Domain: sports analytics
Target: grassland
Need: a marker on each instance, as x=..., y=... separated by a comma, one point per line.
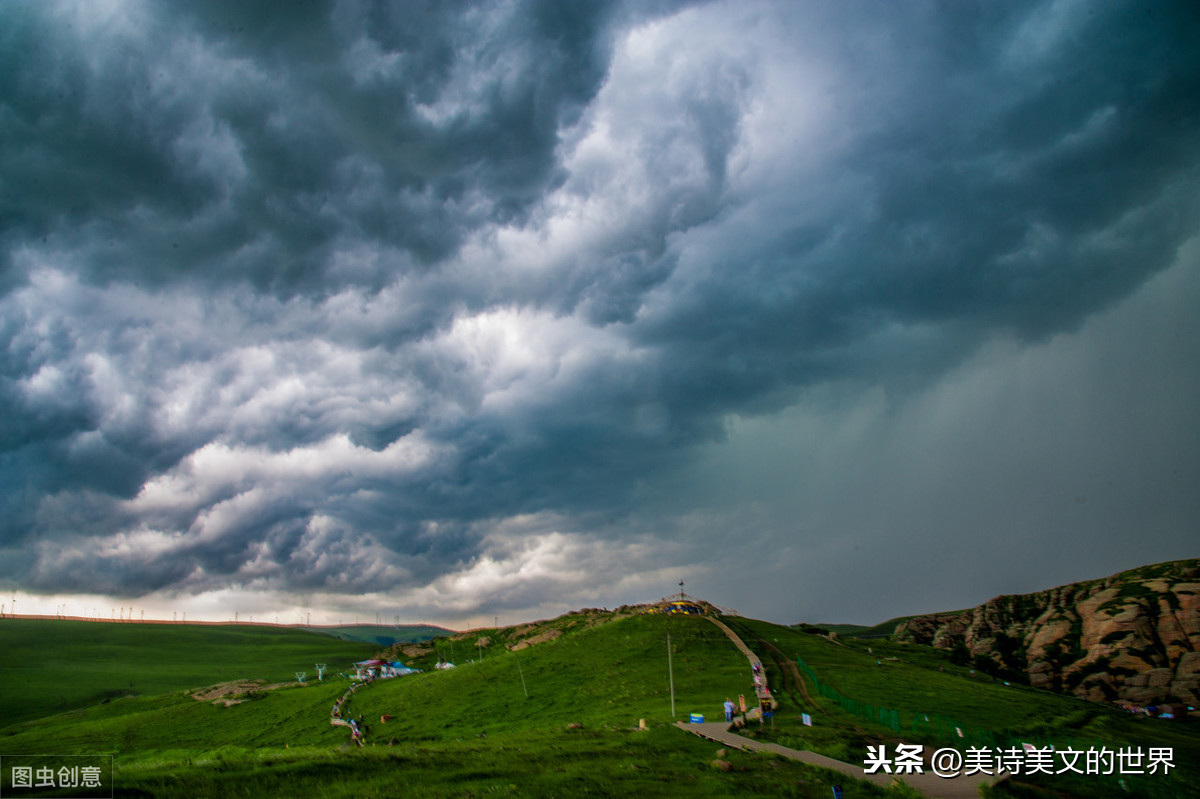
x=383, y=634
x=560, y=715
x=52, y=666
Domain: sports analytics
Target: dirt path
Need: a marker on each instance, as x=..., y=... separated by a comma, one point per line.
x=792, y=679
x=761, y=689
x=342, y=707
x=928, y=784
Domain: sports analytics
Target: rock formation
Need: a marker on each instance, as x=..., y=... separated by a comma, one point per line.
x=1132, y=637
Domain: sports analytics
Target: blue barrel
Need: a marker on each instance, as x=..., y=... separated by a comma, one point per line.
x=697, y=718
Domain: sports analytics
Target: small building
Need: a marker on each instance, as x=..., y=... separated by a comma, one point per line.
x=398, y=669
x=367, y=669
x=682, y=604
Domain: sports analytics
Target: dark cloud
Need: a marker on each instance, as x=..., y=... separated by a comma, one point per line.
x=444, y=297
x=1022, y=194
x=220, y=143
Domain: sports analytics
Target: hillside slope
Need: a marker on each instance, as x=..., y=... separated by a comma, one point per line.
x=1132, y=637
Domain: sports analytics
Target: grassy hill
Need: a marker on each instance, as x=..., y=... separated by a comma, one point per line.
x=381, y=635
x=51, y=666
x=559, y=716
x=883, y=630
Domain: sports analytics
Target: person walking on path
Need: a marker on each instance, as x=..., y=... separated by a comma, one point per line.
x=728, y=709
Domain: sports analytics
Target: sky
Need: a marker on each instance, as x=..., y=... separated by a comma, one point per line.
x=476, y=312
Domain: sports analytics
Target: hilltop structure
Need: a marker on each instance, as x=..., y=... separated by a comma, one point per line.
x=682, y=604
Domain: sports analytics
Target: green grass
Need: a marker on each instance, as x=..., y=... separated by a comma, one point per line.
x=473, y=731
x=138, y=728
x=51, y=666
x=381, y=635
x=610, y=674
x=468, y=730
x=660, y=762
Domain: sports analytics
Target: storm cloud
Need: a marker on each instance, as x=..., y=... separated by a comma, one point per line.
x=450, y=307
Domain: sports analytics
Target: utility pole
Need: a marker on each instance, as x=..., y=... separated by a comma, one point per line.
x=671, y=675
x=522, y=673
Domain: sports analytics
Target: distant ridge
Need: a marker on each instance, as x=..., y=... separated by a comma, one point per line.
x=384, y=635
x=883, y=630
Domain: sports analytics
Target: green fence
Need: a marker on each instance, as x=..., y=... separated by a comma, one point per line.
x=888, y=717
x=934, y=725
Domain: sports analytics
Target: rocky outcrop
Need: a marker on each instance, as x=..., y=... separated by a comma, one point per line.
x=533, y=640
x=1133, y=637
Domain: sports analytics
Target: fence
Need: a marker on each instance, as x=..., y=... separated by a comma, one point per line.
x=932, y=724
